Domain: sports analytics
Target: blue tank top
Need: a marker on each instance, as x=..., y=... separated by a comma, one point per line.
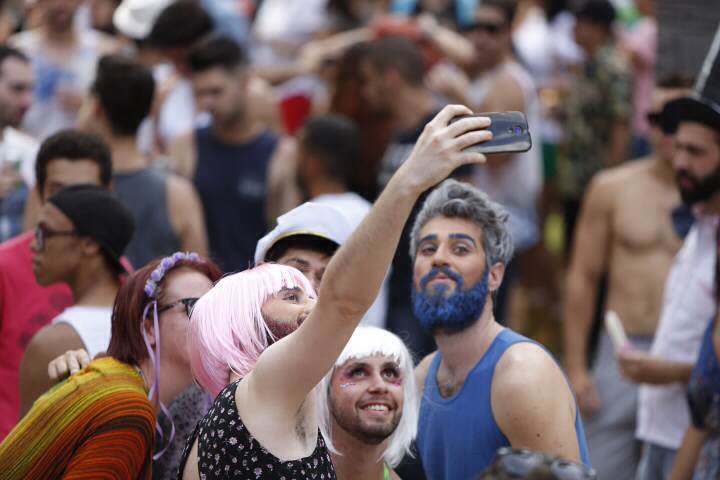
x=458, y=436
x=231, y=180
x=144, y=192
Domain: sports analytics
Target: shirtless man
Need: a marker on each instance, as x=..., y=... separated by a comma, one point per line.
x=625, y=230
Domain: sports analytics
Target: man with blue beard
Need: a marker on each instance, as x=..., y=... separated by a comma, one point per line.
x=486, y=387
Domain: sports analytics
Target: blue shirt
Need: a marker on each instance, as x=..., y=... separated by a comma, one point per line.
x=458, y=436
x=231, y=180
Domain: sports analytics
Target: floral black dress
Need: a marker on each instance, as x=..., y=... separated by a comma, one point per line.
x=226, y=449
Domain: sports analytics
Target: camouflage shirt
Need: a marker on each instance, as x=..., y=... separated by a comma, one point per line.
x=598, y=98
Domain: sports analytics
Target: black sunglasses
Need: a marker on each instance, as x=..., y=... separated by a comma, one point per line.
x=488, y=27
x=42, y=233
x=518, y=463
x=188, y=303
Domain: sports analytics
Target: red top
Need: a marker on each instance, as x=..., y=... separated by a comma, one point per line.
x=25, y=307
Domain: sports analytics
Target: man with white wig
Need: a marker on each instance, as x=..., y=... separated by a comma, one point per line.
x=368, y=406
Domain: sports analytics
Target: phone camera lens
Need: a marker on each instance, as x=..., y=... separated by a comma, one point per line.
x=518, y=130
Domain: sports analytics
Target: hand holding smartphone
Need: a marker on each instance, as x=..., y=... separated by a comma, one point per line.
x=510, y=133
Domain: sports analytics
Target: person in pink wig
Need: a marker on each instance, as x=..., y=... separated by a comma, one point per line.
x=260, y=341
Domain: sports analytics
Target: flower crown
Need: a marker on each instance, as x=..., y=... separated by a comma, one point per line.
x=167, y=264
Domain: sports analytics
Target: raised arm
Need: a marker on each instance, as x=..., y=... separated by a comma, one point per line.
x=588, y=262
x=290, y=368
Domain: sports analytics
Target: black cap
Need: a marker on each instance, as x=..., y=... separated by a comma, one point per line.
x=703, y=105
x=97, y=214
x=600, y=12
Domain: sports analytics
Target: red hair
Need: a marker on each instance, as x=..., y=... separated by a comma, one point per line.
x=126, y=341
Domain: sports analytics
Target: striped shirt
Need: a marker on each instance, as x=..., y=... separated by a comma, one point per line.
x=98, y=423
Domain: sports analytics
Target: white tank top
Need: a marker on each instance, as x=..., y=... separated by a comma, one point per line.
x=517, y=184
x=92, y=324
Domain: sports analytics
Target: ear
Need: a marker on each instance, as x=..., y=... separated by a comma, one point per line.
x=149, y=328
x=495, y=277
x=89, y=247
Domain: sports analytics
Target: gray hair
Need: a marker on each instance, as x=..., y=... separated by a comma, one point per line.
x=453, y=199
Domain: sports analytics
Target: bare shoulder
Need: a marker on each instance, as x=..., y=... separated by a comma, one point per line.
x=606, y=184
x=52, y=337
x=623, y=175
x=507, y=94
x=179, y=187
x=183, y=199
x=526, y=368
x=532, y=402
x=507, y=83
x=106, y=44
x=185, y=139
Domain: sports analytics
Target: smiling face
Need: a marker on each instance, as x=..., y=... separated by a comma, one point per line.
x=366, y=398
x=285, y=311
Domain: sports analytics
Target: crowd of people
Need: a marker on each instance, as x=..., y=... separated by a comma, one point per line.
x=251, y=240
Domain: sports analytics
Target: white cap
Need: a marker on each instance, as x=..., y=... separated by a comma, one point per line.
x=317, y=219
x=135, y=18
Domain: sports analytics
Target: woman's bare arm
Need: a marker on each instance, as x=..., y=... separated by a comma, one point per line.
x=288, y=370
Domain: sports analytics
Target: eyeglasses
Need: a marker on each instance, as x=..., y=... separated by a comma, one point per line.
x=188, y=303
x=42, y=233
x=487, y=27
x=518, y=463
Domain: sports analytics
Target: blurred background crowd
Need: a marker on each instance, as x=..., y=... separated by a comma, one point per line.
x=221, y=115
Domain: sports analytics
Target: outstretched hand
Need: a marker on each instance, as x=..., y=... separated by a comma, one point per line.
x=439, y=150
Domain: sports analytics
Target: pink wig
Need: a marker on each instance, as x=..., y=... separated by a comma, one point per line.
x=227, y=330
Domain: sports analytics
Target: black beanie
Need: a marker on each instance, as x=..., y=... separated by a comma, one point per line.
x=97, y=214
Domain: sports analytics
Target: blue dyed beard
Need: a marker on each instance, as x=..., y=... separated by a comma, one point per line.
x=452, y=313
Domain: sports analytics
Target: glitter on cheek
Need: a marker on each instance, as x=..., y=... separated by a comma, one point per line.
x=347, y=385
x=397, y=382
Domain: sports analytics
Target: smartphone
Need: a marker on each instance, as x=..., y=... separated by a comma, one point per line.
x=615, y=330
x=510, y=133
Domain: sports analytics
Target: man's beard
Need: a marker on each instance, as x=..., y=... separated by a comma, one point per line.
x=702, y=188
x=452, y=313
x=372, y=434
